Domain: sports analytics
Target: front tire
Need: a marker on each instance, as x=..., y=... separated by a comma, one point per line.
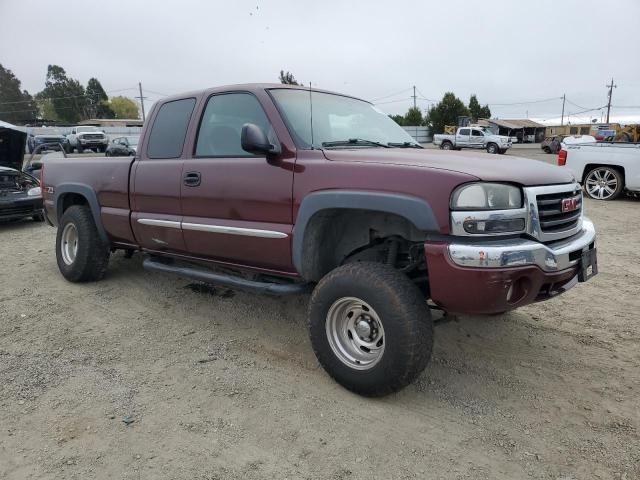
x=502, y=151
x=603, y=183
x=81, y=254
x=370, y=328
x=492, y=148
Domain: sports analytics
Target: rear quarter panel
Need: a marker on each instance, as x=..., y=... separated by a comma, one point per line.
x=107, y=177
x=626, y=156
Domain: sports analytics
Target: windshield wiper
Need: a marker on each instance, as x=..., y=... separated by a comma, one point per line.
x=354, y=141
x=404, y=145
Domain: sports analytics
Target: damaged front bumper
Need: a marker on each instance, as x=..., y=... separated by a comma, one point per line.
x=20, y=207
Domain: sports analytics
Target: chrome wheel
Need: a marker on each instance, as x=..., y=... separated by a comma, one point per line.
x=355, y=333
x=601, y=183
x=446, y=146
x=69, y=243
x=492, y=148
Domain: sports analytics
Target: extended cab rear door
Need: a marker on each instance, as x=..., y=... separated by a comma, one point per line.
x=157, y=178
x=236, y=206
x=462, y=137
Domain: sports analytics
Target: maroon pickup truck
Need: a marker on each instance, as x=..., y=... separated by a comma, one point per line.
x=281, y=189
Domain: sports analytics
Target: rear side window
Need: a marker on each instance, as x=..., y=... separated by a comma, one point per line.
x=464, y=131
x=170, y=129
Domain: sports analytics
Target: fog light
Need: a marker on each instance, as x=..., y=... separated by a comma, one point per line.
x=493, y=226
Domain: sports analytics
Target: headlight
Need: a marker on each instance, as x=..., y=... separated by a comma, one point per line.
x=486, y=196
x=34, y=192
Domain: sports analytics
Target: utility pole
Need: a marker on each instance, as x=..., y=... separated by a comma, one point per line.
x=142, y=99
x=610, y=87
x=564, y=98
x=414, y=97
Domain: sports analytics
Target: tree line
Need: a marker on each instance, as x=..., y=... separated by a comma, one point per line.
x=446, y=112
x=63, y=99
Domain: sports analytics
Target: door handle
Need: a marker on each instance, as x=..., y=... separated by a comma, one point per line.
x=192, y=179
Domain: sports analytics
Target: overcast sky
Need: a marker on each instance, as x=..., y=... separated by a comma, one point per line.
x=504, y=51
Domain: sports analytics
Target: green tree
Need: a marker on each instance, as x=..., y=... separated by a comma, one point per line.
x=413, y=117
x=399, y=119
x=97, y=100
x=66, y=95
x=124, y=107
x=446, y=113
x=476, y=111
x=16, y=105
x=287, y=78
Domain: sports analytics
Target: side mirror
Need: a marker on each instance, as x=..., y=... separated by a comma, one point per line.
x=254, y=140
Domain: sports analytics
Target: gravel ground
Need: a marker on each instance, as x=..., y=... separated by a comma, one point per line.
x=142, y=376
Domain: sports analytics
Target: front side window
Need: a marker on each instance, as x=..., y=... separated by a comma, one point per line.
x=170, y=129
x=476, y=133
x=336, y=119
x=222, y=121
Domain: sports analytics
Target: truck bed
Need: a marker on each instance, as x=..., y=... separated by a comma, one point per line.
x=108, y=177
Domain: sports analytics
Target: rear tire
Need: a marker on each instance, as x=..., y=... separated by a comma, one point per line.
x=603, y=183
x=81, y=254
x=370, y=328
x=446, y=146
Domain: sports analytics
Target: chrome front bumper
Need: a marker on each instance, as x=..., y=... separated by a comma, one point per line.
x=550, y=257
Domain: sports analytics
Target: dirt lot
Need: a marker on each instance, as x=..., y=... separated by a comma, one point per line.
x=138, y=376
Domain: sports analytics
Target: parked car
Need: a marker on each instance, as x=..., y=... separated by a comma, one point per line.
x=473, y=137
x=235, y=186
x=82, y=138
x=20, y=194
x=122, y=146
x=604, y=169
x=54, y=139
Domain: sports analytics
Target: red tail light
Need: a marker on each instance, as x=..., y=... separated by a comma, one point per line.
x=562, y=158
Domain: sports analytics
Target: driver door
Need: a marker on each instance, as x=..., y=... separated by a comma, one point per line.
x=477, y=138
x=236, y=206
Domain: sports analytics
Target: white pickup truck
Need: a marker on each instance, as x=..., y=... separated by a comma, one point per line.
x=473, y=137
x=85, y=137
x=604, y=169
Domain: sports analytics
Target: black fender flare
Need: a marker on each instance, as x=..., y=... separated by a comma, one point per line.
x=92, y=199
x=414, y=209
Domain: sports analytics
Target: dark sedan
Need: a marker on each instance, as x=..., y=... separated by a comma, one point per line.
x=20, y=195
x=123, y=147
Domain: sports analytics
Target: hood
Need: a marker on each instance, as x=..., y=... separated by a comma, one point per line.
x=49, y=135
x=12, y=143
x=487, y=167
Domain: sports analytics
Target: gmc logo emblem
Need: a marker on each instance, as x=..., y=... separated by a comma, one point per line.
x=569, y=204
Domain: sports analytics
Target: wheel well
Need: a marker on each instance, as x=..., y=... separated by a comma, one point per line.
x=69, y=199
x=336, y=236
x=591, y=166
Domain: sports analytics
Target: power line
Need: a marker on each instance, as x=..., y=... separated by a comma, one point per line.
x=387, y=96
x=524, y=103
x=69, y=96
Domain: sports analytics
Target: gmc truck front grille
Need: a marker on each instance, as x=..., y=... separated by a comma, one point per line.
x=559, y=212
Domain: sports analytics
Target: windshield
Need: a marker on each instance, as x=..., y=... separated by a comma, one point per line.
x=87, y=129
x=132, y=140
x=336, y=119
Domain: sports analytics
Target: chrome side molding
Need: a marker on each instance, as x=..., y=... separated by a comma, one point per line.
x=201, y=227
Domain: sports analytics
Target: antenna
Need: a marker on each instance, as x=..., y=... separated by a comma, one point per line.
x=311, y=113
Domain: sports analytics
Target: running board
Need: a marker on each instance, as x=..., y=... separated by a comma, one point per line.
x=234, y=282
